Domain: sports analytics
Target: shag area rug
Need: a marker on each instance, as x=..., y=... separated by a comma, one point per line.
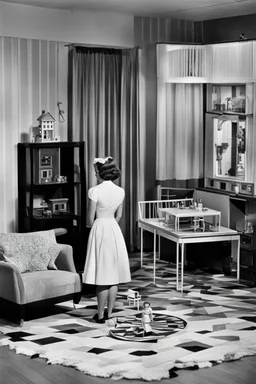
x=214, y=321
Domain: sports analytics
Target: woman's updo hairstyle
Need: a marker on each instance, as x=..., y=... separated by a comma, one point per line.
x=109, y=170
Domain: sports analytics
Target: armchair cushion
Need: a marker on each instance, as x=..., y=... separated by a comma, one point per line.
x=18, y=259
x=50, y=284
x=33, y=251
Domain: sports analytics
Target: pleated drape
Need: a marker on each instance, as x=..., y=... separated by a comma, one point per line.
x=180, y=132
x=105, y=98
x=231, y=62
x=179, y=146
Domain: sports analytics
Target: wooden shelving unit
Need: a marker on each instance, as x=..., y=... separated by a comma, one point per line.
x=39, y=165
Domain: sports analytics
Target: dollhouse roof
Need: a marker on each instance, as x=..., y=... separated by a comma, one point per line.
x=46, y=116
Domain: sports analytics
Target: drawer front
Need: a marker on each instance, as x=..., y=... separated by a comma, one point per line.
x=248, y=241
x=248, y=275
x=247, y=258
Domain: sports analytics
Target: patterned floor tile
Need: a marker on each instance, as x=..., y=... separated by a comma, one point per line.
x=213, y=320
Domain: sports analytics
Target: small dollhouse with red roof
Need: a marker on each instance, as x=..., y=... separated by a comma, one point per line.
x=45, y=131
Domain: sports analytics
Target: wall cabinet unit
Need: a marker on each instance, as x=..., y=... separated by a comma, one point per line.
x=230, y=140
x=230, y=98
x=230, y=170
x=51, y=191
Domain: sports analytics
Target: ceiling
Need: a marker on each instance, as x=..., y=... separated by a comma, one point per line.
x=195, y=10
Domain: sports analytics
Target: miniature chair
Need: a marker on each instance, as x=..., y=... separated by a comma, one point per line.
x=199, y=224
x=133, y=297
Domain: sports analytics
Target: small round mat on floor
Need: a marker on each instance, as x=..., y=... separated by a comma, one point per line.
x=130, y=328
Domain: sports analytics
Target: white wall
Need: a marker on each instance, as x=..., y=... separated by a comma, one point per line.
x=101, y=28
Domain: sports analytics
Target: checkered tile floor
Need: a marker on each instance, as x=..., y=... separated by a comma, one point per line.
x=213, y=321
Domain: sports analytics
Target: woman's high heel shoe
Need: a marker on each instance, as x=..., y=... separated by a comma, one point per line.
x=96, y=318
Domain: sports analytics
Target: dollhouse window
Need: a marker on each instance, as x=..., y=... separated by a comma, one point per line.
x=50, y=135
x=60, y=206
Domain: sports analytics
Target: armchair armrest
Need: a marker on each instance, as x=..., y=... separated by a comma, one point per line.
x=11, y=283
x=65, y=259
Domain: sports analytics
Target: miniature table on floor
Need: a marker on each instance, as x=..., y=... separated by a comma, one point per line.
x=185, y=237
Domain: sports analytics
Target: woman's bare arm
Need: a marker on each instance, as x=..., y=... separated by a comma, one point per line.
x=91, y=212
x=119, y=212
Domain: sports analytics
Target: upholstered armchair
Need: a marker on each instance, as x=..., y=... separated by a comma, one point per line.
x=34, y=269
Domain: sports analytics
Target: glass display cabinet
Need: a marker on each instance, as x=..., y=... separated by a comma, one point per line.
x=229, y=139
x=229, y=147
x=230, y=98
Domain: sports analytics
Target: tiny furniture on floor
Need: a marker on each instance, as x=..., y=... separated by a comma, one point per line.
x=133, y=297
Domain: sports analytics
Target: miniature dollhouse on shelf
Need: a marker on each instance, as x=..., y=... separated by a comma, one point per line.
x=45, y=132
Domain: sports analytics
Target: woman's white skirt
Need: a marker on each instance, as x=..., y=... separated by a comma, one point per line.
x=107, y=261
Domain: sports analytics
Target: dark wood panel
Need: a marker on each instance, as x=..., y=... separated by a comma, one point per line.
x=229, y=29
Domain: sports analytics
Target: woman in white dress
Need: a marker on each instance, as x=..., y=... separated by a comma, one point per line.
x=107, y=262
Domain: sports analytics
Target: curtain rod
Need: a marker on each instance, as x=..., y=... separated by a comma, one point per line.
x=241, y=40
x=177, y=43
x=244, y=40
x=96, y=46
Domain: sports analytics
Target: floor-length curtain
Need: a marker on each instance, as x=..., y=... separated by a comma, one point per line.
x=105, y=95
x=28, y=83
x=179, y=131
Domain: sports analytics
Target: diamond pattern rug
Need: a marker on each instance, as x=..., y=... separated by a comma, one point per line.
x=213, y=321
